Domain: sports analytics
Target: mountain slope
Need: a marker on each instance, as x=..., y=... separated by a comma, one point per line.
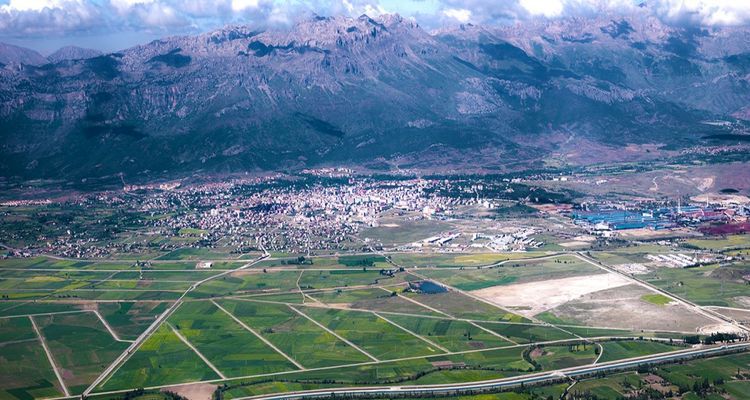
x=355, y=91
x=72, y=53
x=10, y=54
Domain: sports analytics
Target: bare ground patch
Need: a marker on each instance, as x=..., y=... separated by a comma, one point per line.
x=532, y=298
x=195, y=391
x=741, y=316
x=623, y=307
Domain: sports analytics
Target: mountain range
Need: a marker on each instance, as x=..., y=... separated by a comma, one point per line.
x=382, y=93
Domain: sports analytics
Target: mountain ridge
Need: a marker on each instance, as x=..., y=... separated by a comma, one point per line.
x=369, y=91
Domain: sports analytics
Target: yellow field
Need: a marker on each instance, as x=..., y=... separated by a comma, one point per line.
x=490, y=258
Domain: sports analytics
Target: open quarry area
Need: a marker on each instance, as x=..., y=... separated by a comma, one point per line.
x=331, y=282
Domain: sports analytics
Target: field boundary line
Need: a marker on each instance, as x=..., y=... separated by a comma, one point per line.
x=258, y=335
x=49, y=356
x=43, y=314
x=195, y=350
x=125, y=355
x=491, y=332
x=314, y=300
x=370, y=356
x=412, y=333
x=281, y=373
x=109, y=328
x=18, y=341
x=419, y=304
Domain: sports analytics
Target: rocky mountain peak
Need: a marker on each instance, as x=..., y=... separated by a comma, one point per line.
x=73, y=53
x=10, y=54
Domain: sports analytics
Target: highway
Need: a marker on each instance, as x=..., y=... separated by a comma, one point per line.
x=496, y=384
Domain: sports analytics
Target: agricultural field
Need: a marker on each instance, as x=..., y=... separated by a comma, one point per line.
x=618, y=350
x=709, y=285
x=295, y=335
x=342, y=279
x=462, y=260
x=230, y=347
x=386, y=300
x=451, y=334
x=296, y=323
x=527, y=333
x=25, y=372
x=714, y=378
x=130, y=319
x=162, y=359
x=248, y=282
x=16, y=329
x=733, y=242
x=80, y=345
x=192, y=253
x=557, y=357
x=373, y=334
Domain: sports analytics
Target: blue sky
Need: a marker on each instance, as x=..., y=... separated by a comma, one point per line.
x=114, y=24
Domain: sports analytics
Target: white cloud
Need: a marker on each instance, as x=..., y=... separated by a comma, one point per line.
x=547, y=8
x=374, y=10
x=707, y=12
x=241, y=5
x=38, y=5
x=460, y=14
x=21, y=18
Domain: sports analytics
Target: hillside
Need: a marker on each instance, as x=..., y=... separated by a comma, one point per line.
x=372, y=92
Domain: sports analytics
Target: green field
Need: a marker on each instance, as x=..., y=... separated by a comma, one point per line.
x=294, y=297
x=353, y=277
x=372, y=299
x=635, y=348
x=295, y=335
x=391, y=335
x=80, y=345
x=161, y=360
x=360, y=261
x=613, y=387
x=191, y=253
x=476, y=366
x=526, y=333
x=451, y=334
x=656, y=298
x=14, y=329
x=248, y=282
x=25, y=372
x=130, y=319
x=230, y=347
x=374, y=335
x=725, y=243
x=557, y=357
x=719, y=373
x=9, y=309
x=706, y=285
